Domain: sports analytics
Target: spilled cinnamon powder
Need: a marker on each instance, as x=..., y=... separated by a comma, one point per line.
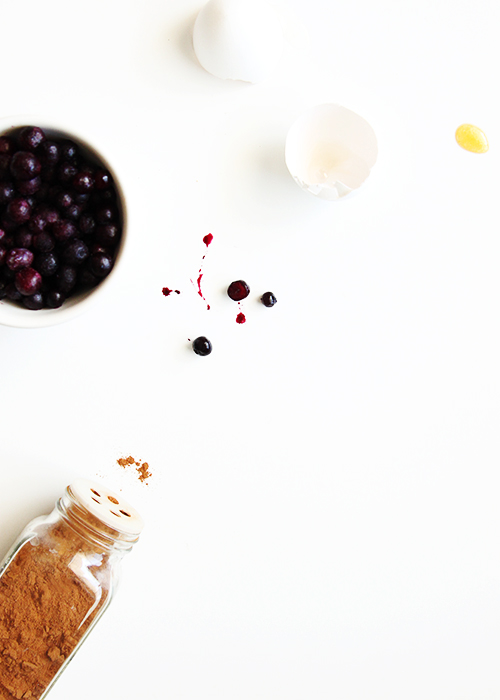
x=142, y=468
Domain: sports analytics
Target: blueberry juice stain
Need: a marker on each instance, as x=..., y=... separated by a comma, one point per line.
x=206, y=240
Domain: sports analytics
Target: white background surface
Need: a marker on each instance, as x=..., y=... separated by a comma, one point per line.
x=322, y=520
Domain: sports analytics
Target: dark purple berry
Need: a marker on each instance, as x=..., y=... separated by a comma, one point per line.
x=29, y=187
x=5, y=165
x=7, y=224
x=73, y=212
x=47, y=264
x=12, y=293
x=63, y=199
x=69, y=150
x=66, y=172
x=28, y=281
x=86, y=224
x=63, y=230
x=18, y=258
x=24, y=165
x=34, y=302
x=83, y=182
x=100, y=264
x=107, y=235
x=102, y=179
x=86, y=278
x=6, y=192
x=268, y=299
x=6, y=144
x=65, y=279
x=202, y=346
x=106, y=214
x=239, y=290
x=43, y=242
x=75, y=252
x=18, y=210
x=49, y=153
x=23, y=238
x=55, y=299
x=30, y=137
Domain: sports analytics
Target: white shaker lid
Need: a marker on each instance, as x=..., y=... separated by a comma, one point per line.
x=107, y=505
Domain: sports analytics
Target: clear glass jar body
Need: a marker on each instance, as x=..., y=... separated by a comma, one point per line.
x=55, y=583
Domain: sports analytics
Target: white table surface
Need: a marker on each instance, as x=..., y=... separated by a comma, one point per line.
x=322, y=520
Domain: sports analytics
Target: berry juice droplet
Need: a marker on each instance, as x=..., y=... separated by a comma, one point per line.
x=166, y=291
x=208, y=239
x=240, y=318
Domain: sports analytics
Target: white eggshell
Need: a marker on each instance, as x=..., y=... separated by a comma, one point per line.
x=238, y=39
x=330, y=151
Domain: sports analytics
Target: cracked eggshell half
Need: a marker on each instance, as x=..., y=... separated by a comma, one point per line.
x=238, y=39
x=330, y=151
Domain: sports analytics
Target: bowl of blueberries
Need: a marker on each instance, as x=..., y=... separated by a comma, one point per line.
x=62, y=223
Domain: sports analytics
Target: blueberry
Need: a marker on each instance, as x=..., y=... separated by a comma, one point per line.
x=18, y=210
x=47, y=264
x=106, y=215
x=6, y=192
x=239, y=290
x=6, y=145
x=107, y=235
x=23, y=238
x=100, y=264
x=28, y=281
x=86, y=224
x=34, y=301
x=43, y=242
x=102, y=179
x=66, y=172
x=30, y=137
x=202, y=346
x=49, y=153
x=63, y=230
x=24, y=165
x=29, y=187
x=19, y=258
x=69, y=150
x=75, y=252
x=65, y=279
x=268, y=299
x=55, y=299
x=83, y=182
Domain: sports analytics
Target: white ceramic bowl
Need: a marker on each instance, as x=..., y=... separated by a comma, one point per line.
x=330, y=151
x=12, y=314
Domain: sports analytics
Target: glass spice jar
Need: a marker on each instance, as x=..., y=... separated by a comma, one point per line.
x=55, y=583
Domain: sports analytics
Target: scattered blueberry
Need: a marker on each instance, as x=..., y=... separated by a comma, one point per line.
x=202, y=346
x=268, y=299
x=239, y=290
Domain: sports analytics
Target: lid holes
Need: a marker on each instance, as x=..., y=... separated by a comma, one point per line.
x=95, y=499
x=113, y=513
x=124, y=512
x=112, y=499
x=95, y=492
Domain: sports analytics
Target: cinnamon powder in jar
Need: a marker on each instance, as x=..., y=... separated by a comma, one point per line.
x=55, y=584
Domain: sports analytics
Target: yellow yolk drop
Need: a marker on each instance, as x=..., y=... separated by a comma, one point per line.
x=471, y=138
